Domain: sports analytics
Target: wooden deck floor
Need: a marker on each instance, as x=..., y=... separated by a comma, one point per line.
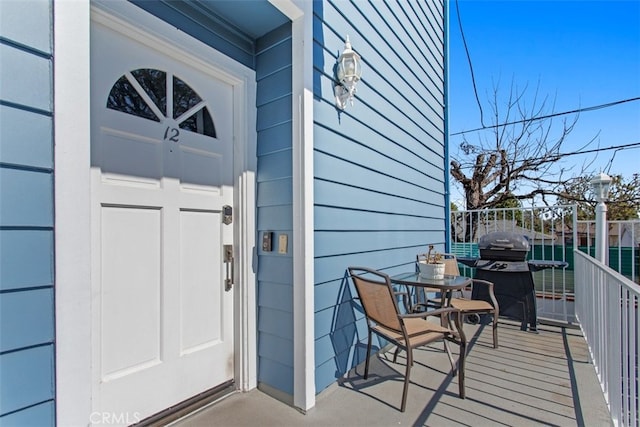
x=532, y=379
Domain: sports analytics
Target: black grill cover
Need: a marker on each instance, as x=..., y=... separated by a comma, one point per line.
x=503, y=246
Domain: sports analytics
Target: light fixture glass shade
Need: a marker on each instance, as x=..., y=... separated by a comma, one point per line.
x=348, y=73
x=601, y=184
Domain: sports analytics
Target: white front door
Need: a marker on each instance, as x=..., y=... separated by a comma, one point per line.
x=162, y=171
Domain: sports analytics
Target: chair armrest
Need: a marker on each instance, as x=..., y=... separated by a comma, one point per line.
x=424, y=305
x=425, y=314
x=405, y=299
x=484, y=283
x=490, y=287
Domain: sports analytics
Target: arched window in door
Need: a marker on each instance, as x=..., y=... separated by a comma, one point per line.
x=143, y=93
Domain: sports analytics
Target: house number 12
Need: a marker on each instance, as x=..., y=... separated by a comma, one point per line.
x=171, y=134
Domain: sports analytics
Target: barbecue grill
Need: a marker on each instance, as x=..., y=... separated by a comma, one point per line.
x=503, y=262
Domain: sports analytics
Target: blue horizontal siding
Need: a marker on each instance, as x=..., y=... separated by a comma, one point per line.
x=359, y=219
x=27, y=23
x=26, y=259
x=32, y=308
x=25, y=138
x=274, y=166
x=273, y=322
x=390, y=260
x=420, y=167
x=26, y=198
x=275, y=374
x=273, y=57
x=332, y=293
x=275, y=269
x=27, y=378
x=275, y=112
x=386, y=52
x=275, y=209
x=30, y=78
x=277, y=192
x=379, y=173
x=274, y=86
x=39, y=415
x=274, y=139
x=345, y=196
x=379, y=166
x=276, y=295
x=379, y=134
x=27, y=338
x=275, y=218
x=365, y=241
x=277, y=348
x=384, y=117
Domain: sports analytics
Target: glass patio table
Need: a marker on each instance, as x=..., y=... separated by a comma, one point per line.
x=445, y=286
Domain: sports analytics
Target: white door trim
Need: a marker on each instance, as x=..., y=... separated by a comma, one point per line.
x=72, y=133
x=72, y=184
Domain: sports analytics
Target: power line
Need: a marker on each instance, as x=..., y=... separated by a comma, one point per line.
x=629, y=146
x=579, y=110
x=466, y=49
x=597, y=150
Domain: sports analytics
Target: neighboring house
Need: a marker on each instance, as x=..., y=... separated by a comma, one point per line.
x=620, y=233
x=141, y=141
x=629, y=234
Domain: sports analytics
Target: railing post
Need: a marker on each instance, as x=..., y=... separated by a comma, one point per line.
x=600, y=185
x=602, y=238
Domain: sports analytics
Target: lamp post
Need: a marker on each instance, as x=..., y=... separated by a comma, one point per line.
x=600, y=184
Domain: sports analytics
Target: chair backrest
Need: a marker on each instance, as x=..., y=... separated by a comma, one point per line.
x=451, y=265
x=376, y=296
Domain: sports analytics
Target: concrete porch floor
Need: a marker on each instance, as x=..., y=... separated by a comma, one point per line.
x=532, y=379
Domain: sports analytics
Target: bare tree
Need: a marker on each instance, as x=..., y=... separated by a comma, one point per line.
x=519, y=157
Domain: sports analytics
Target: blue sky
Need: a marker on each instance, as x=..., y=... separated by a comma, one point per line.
x=582, y=53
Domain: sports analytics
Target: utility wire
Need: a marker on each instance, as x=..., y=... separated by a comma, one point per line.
x=629, y=146
x=548, y=116
x=597, y=150
x=466, y=49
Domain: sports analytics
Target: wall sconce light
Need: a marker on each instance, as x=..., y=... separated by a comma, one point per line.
x=348, y=72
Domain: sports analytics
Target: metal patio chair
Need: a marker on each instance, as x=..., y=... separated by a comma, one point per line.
x=406, y=331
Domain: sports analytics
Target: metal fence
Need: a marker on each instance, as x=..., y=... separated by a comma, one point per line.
x=551, y=233
x=624, y=245
x=607, y=310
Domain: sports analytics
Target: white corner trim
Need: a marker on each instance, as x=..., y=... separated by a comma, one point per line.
x=71, y=21
x=304, y=389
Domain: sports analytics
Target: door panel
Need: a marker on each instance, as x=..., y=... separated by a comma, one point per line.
x=130, y=298
x=200, y=303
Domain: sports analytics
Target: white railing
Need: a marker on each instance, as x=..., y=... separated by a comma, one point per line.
x=607, y=311
x=550, y=231
x=623, y=243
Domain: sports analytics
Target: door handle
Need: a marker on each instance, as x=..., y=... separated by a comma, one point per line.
x=229, y=267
